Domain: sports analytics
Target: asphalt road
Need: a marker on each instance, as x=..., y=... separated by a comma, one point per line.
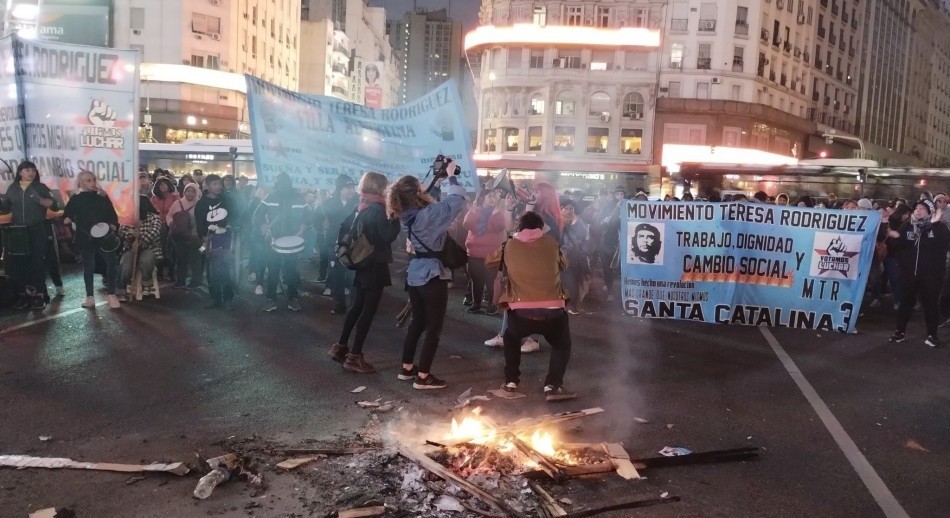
x=162, y=379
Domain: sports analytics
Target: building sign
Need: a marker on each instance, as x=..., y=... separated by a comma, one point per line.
x=83, y=22
x=197, y=156
x=373, y=84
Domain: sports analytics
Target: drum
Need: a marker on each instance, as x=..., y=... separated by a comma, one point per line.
x=16, y=240
x=219, y=244
x=104, y=237
x=288, y=244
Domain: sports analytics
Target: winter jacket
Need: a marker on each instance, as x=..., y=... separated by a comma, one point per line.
x=429, y=227
x=332, y=212
x=283, y=212
x=533, y=263
x=150, y=235
x=205, y=205
x=922, y=249
x=380, y=231
x=183, y=204
x=163, y=205
x=24, y=205
x=480, y=245
x=86, y=209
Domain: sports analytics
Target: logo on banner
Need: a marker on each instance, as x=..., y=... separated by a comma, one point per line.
x=646, y=243
x=835, y=256
x=100, y=129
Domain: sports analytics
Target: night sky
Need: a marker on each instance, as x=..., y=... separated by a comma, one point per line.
x=464, y=10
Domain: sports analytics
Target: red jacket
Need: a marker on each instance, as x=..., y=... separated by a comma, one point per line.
x=479, y=246
x=163, y=204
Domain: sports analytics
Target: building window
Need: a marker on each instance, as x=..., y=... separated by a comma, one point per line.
x=633, y=105
x=704, y=57
x=489, y=145
x=564, y=105
x=204, y=24
x=631, y=141
x=575, y=15
x=603, y=17
x=137, y=18
x=642, y=18
x=597, y=140
x=512, y=139
x=540, y=16
x=702, y=90
x=674, y=89
x=599, y=105
x=564, y=138
x=197, y=61
x=537, y=59
x=731, y=136
x=707, y=17
x=213, y=62
x=738, y=59
x=534, y=138
x=736, y=92
x=537, y=105
x=514, y=57
x=676, y=56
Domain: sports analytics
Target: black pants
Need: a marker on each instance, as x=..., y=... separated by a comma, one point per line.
x=428, y=314
x=221, y=276
x=187, y=258
x=483, y=281
x=282, y=266
x=53, y=266
x=928, y=291
x=553, y=325
x=88, y=252
x=360, y=316
x=606, y=257
x=30, y=270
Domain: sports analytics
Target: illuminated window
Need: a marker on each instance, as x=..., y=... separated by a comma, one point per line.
x=597, y=140
x=488, y=144
x=633, y=105
x=534, y=138
x=676, y=56
x=599, y=105
x=564, y=105
x=537, y=105
x=512, y=140
x=540, y=16
x=564, y=138
x=631, y=141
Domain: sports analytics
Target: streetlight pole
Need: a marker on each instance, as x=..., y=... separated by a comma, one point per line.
x=830, y=137
x=491, y=114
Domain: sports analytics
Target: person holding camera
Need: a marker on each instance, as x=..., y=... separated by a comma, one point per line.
x=426, y=223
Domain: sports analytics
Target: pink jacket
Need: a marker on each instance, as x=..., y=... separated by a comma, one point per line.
x=183, y=204
x=479, y=246
x=162, y=205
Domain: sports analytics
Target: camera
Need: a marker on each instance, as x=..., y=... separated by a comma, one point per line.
x=441, y=165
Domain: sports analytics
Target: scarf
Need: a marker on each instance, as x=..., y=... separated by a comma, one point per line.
x=483, y=217
x=366, y=199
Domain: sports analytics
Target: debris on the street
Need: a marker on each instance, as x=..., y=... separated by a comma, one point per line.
x=357, y=390
x=134, y=480
x=25, y=461
x=669, y=427
x=52, y=512
x=621, y=460
x=670, y=451
x=382, y=409
x=914, y=445
x=503, y=394
x=449, y=503
x=330, y=451
x=552, y=507
x=566, y=501
x=363, y=512
x=664, y=494
x=369, y=404
x=45, y=438
x=210, y=481
x=628, y=505
x=295, y=463
x=641, y=420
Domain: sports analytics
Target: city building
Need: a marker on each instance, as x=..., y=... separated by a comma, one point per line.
x=194, y=55
x=325, y=67
x=429, y=45
x=567, y=91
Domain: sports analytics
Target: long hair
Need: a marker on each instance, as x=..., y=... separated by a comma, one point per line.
x=373, y=183
x=82, y=174
x=404, y=195
x=548, y=203
x=27, y=164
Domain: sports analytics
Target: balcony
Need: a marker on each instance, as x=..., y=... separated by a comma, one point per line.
x=341, y=49
x=819, y=64
x=742, y=28
x=737, y=64
x=841, y=45
x=707, y=25
x=827, y=101
x=845, y=17
x=832, y=38
x=839, y=76
x=338, y=90
x=679, y=25
x=704, y=63
x=341, y=69
x=802, y=88
x=760, y=70
x=851, y=52
x=854, y=22
x=806, y=57
x=794, y=86
x=764, y=36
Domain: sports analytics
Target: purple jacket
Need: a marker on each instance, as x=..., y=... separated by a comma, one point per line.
x=479, y=246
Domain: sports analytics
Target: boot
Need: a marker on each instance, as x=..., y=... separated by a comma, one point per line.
x=338, y=352
x=356, y=363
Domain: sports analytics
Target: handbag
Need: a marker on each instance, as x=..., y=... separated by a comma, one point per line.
x=452, y=254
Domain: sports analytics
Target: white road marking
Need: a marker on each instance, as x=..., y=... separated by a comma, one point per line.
x=882, y=495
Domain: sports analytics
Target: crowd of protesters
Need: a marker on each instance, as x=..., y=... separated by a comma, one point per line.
x=562, y=253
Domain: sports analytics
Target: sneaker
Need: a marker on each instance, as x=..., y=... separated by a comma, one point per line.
x=293, y=305
x=530, y=346
x=475, y=310
x=408, y=375
x=491, y=309
x=932, y=341
x=497, y=341
x=338, y=352
x=113, y=302
x=339, y=309
x=876, y=303
x=326, y=293
x=511, y=386
x=356, y=363
x=897, y=337
x=428, y=383
x=39, y=303
x=467, y=301
x=89, y=302
x=252, y=277
x=571, y=311
x=270, y=306
x=22, y=303
x=259, y=290
x=552, y=394
x=60, y=292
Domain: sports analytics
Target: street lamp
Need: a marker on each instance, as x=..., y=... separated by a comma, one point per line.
x=830, y=137
x=491, y=113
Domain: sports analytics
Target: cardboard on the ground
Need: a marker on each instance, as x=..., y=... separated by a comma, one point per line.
x=25, y=461
x=297, y=462
x=621, y=460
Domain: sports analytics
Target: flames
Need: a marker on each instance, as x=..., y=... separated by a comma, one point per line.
x=477, y=429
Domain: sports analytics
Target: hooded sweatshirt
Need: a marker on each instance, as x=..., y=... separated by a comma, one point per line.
x=162, y=205
x=534, y=263
x=486, y=231
x=24, y=204
x=183, y=204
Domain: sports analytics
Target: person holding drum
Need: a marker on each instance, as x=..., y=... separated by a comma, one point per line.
x=93, y=215
x=280, y=218
x=214, y=213
x=27, y=200
x=146, y=236
x=370, y=282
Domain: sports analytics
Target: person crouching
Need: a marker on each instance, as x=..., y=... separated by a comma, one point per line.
x=535, y=302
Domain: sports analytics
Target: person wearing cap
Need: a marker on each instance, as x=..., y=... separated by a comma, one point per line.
x=865, y=204
x=332, y=214
x=921, y=248
x=220, y=261
x=281, y=214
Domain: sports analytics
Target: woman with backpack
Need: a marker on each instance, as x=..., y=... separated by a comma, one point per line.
x=184, y=237
x=85, y=209
x=369, y=282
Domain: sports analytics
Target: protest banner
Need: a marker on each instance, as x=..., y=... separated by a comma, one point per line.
x=746, y=263
x=314, y=139
x=12, y=143
x=78, y=111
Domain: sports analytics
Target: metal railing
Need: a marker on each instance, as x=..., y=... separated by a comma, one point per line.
x=679, y=24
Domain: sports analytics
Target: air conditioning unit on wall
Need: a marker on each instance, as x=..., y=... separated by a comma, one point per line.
x=605, y=117
x=716, y=80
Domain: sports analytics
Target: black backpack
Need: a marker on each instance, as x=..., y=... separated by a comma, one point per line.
x=353, y=248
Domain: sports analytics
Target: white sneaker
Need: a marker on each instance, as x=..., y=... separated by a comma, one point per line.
x=259, y=290
x=530, y=346
x=497, y=341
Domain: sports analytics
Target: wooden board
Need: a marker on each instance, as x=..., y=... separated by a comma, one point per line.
x=362, y=512
x=621, y=460
x=550, y=505
x=297, y=462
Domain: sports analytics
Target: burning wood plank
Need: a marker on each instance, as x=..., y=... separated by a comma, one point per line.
x=440, y=471
x=552, y=508
x=534, y=422
x=543, y=462
x=621, y=460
